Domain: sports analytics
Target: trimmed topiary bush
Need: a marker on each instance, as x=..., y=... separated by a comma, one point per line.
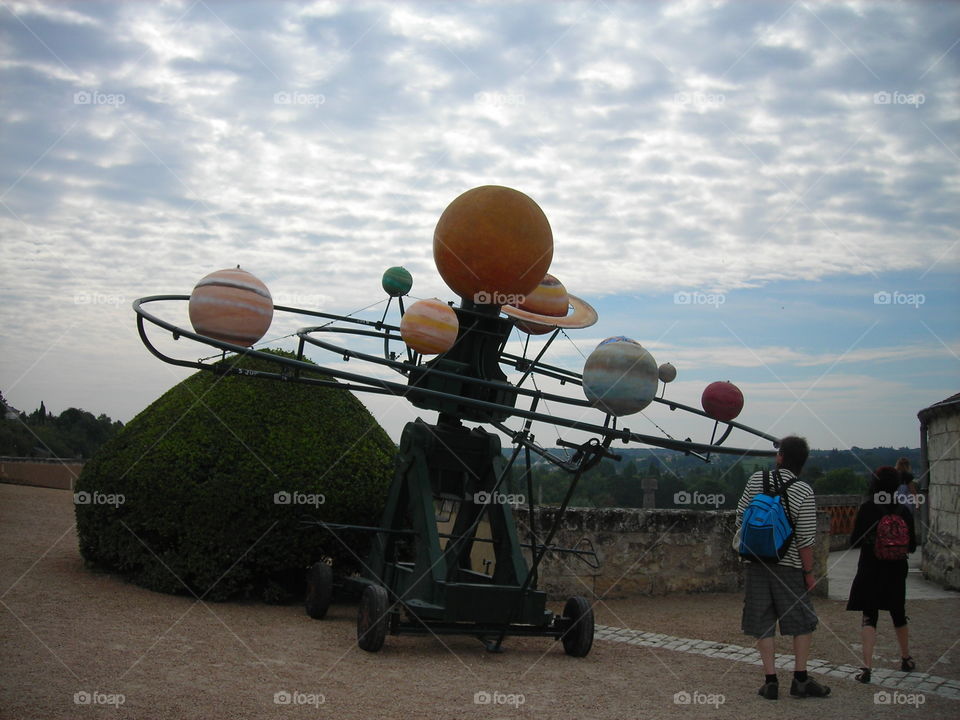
x=191, y=492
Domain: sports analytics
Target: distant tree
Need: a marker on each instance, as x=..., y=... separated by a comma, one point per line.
x=842, y=481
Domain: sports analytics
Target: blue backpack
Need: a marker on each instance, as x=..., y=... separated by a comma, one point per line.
x=766, y=530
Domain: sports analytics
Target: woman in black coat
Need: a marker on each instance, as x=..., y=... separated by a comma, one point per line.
x=880, y=584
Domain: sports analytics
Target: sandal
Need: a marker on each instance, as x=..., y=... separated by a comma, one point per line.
x=908, y=664
x=863, y=676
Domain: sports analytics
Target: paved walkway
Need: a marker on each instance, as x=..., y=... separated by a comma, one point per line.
x=842, y=568
x=914, y=682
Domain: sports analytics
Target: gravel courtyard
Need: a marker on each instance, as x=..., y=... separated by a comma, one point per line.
x=77, y=644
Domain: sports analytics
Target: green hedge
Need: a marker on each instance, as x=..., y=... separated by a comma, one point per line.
x=199, y=470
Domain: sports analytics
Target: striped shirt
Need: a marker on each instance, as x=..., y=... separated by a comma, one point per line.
x=803, y=512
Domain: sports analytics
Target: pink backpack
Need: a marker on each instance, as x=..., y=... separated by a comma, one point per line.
x=893, y=538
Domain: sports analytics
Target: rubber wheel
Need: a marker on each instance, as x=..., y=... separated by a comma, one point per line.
x=372, y=618
x=578, y=638
x=319, y=590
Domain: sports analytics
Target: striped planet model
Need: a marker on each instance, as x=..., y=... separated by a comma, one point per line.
x=620, y=376
x=231, y=305
x=429, y=326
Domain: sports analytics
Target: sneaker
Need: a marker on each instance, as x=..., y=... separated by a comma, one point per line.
x=810, y=688
x=770, y=690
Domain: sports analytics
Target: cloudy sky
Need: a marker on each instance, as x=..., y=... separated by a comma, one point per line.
x=759, y=192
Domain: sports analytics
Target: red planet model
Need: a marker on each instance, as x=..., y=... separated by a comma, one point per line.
x=722, y=400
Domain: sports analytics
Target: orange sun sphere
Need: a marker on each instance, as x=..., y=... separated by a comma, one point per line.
x=492, y=245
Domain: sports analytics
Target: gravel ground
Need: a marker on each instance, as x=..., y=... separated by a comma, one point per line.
x=67, y=633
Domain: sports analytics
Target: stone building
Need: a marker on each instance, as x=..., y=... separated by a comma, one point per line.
x=940, y=515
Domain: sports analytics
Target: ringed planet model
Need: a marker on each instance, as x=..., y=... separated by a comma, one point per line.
x=548, y=307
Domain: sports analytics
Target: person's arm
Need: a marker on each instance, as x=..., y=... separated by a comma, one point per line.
x=806, y=560
x=805, y=527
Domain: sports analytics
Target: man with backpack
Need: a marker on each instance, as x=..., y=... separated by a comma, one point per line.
x=777, y=528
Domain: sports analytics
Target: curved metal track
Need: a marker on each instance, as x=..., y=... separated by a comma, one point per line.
x=297, y=370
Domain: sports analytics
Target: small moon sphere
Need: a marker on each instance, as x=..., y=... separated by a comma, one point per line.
x=722, y=400
x=492, y=244
x=667, y=373
x=620, y=376
x=429, y=326
x=397, y=281
x=231, y=305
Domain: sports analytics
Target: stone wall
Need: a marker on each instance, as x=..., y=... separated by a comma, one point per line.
x=649, y=552
x=941, y=548
x=60, y=474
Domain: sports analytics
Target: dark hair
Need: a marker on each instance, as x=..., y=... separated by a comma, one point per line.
x=903, y=465
x=885, y=481
x=794, y=450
